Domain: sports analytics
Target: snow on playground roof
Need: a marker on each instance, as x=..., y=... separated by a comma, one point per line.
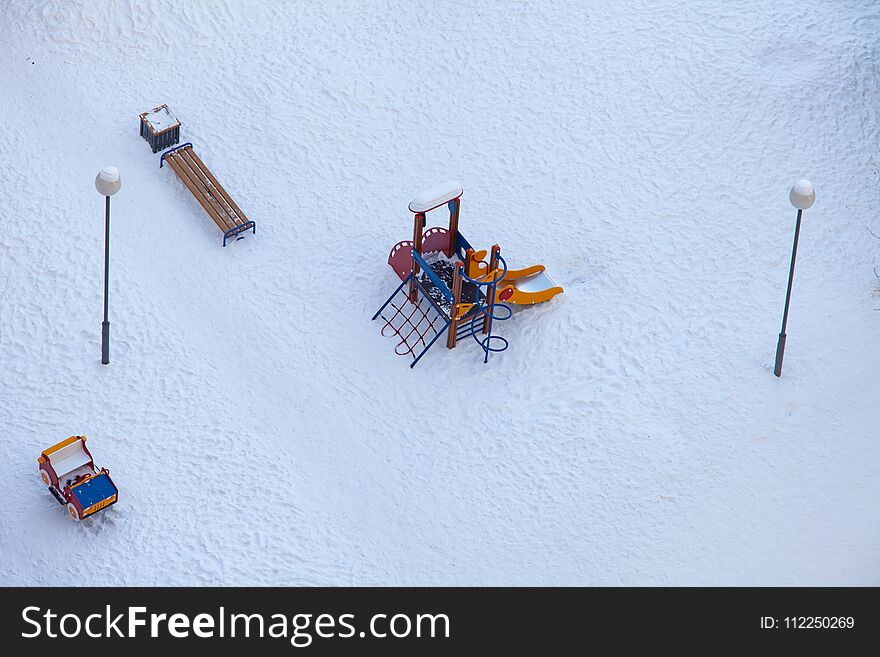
x=435, y=197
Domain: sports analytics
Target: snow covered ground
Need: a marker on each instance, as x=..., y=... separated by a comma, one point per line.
x=262, y=431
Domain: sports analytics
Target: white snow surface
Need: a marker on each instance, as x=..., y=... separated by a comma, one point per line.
x=260, y=429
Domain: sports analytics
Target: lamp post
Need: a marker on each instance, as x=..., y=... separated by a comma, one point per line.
x=802, y=196
x=107, y=182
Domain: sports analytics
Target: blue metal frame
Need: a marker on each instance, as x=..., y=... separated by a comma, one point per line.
x=429, y=345
x=488, y=311
x=384, y=305
x=232, y=232
x=171, y=150
x=424, y=292
x=461, y=246
x=446, y=319
x=432, y=275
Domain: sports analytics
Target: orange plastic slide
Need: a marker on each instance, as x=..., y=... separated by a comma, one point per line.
x=527, y=286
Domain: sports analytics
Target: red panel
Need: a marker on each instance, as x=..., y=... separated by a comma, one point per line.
x=400, y=258
x=436, y=239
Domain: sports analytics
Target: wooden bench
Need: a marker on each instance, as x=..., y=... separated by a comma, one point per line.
x=208, y=192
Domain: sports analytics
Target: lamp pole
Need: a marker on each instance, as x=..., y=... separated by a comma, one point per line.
x=107, y=182
x=802, y=196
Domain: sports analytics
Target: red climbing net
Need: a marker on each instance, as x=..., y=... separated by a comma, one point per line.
x=411, y=322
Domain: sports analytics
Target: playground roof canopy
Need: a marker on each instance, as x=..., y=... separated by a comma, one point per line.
x=435, y=197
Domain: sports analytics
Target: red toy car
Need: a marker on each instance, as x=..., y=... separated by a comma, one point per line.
x=69, y=472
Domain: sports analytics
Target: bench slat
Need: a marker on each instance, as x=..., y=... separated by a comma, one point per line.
x=197, y=190
x=215, y=191
x=198, y=161
x=206, y=188
x=193, y=187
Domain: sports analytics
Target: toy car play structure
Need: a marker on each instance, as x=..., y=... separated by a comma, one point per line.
x=451, y=287
x=69, y=472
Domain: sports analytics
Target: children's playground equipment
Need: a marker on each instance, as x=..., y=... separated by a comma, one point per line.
x=204, y=186
x=70, y=473
x=449, y=287
x=161, y=128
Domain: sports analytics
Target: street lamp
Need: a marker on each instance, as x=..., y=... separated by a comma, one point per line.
x=107, y=183
x=802, y=196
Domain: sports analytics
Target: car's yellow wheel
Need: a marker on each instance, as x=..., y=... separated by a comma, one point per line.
x=45, y=477
x=72, y=511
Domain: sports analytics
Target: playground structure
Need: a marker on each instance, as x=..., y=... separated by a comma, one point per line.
x=449, y=287
x=208, y=191
x=161, y=129
x=69, y=472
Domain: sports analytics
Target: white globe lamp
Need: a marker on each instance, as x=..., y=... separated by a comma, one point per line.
x=802, y=194
x=108, y=181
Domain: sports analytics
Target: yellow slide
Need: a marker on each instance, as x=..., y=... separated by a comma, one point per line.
x=522, y=287
x=527, y=286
